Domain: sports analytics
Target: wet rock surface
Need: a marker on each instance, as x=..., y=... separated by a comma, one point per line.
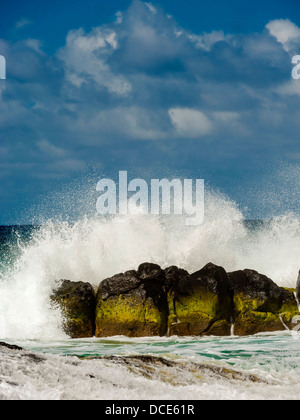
x=178, y=372
x=10, y=346
x=77, y=301
x=199, y=302
x=133, y=304
x=259, y=304
x=152, y=301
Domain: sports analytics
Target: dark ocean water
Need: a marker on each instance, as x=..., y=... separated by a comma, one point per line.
x=11, y=238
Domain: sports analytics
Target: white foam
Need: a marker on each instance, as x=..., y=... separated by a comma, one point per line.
x=52, y=377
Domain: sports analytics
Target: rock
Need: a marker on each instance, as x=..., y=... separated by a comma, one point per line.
x=10, y=346
x=173, y=275
x=298, y=288
x=156, y=302
x=119, y=284
x=259, y=303
x=199, y=301
x=151, y=272
x=133, y=304
x=178, y=372
x=220, y=329
x=77, y=302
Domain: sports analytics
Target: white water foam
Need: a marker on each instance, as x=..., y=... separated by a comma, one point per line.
x=25, y=376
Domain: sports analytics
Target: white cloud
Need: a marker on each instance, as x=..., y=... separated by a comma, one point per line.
x=285, y=31
x=190, y=122
x=122, y=122
x=49, y=149
x=85, y=58
x=151, y=8
x=119, y=17
x=230, y=122
x=226, y=116
x=22, y=23
x=290, y=88
x=207, y=40
x=34, y=44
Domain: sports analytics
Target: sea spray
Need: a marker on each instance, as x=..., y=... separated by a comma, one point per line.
x=95, y=248
x=25, y=310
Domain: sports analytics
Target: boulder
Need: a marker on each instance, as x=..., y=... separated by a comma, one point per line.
x=133, y=304
x=298, y=288
x=201, y=303
x=77, y=302
x=259, y=304
x=151, y=272
x=119, y=284
x=173, y=275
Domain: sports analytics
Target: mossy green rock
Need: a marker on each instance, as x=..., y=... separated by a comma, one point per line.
x=133, y=304
x=259, y=304
x=200, y=301
x=298, y=288
x=129, y=315
x=156, y=302
x=77, y=302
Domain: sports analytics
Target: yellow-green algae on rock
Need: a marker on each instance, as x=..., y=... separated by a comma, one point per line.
x=201, y=303
x=128, y=315
x=259, y=304
x=77, y=302
x=133, y=304
x=156, y=302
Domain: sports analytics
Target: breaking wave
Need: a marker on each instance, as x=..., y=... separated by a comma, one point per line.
x=95, y=248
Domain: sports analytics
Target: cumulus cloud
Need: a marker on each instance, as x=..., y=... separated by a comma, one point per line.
x=190, y=123
x=207, y=40
x=286, y=32
x=85, y=58
x=34, y=44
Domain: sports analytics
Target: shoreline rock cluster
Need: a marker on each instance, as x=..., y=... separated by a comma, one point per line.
x=165, y=302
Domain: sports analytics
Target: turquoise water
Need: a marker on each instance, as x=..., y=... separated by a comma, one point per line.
x=264, y=351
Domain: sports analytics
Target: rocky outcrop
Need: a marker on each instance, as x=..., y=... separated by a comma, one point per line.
x=156, y=302
x=298, y=288
x=77, y=302
x=201, y=303
x=259, y=304
x=133, y=304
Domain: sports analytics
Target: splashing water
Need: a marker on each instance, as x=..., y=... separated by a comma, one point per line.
x=95, y=248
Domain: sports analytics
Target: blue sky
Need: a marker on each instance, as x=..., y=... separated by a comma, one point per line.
x=161, y=89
